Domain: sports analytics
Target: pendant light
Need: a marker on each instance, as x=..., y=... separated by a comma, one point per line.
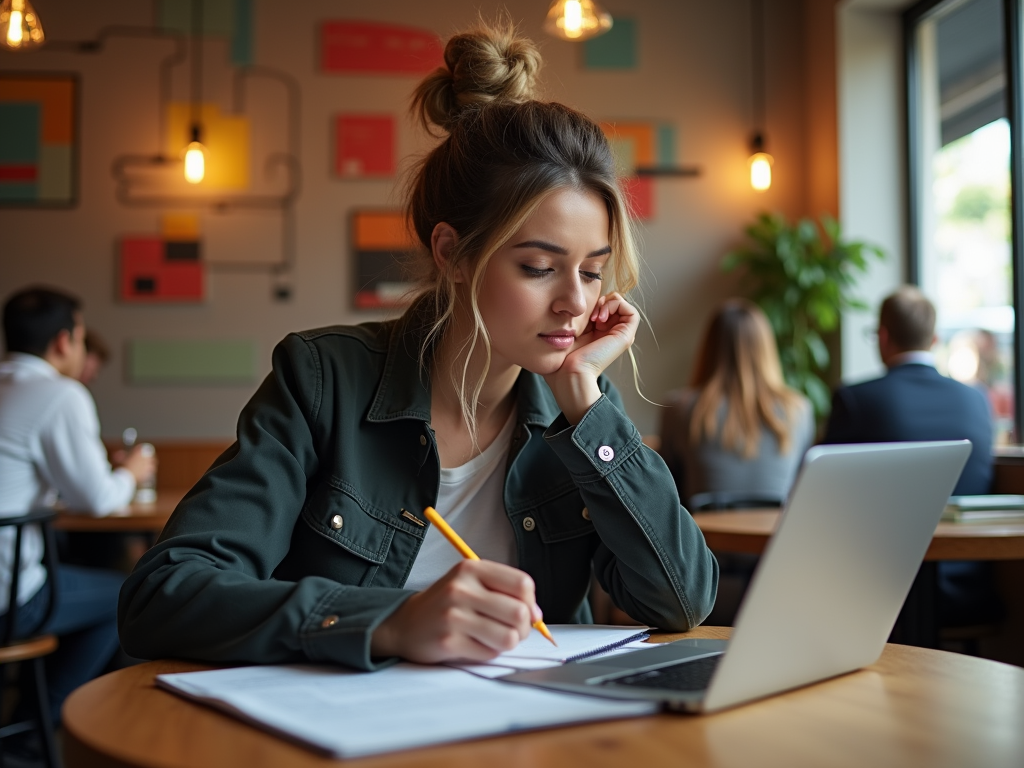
x=195, y=152
x=577, y=20
x=760, y=162
x=20, y=28
x=195, y=159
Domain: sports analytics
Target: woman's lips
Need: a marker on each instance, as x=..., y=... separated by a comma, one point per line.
x=559, y=339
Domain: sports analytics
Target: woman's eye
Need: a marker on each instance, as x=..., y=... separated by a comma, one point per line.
x=590, y=276
x=536, y=271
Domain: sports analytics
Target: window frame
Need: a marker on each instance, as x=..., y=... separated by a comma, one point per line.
x=1014, y=67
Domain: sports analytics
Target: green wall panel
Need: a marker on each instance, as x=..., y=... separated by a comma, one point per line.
x=172, y=361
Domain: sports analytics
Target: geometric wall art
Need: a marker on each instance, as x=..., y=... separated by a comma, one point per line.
x=231, y=19
x=163, y=268
x=38, y=140
x=640, y=145
x=381, y=243
x=364, y=146
x=616, y=49
x=368, y=47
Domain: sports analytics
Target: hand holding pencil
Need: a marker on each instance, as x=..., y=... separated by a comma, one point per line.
x=476, y=611
x=456, y=541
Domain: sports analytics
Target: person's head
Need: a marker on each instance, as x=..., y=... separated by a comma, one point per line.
x=518, y=207
x=97, y=353
x=46, y=323
x=906, y=323
x=738, y=367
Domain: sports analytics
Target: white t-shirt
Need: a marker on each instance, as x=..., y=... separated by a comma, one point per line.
x=471, y=500
x=49, y=445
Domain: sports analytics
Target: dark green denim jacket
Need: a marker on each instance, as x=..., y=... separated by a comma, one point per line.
x=295, y=545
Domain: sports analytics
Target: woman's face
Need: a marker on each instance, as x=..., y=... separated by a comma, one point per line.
x=539, y=289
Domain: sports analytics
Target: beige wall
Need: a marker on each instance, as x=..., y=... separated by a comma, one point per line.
x=694, y=71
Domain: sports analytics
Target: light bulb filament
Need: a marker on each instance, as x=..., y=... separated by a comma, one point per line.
x=195, y=163
x=14, y=30
x=761, y=171
x=572, y=22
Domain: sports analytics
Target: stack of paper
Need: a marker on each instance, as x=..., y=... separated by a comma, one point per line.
x=354, y=714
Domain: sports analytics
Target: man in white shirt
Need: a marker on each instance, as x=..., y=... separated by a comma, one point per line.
x=50, y=448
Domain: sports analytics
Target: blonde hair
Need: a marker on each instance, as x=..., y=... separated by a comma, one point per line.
x=502, y=153
x=738, y=366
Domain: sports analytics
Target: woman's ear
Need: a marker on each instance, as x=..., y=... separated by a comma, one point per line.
x=443, y=240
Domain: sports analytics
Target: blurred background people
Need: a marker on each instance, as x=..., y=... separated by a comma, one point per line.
x=738, y=429
x=737, y=435
x=913, y=401
x=97, y=355
x=50, y=449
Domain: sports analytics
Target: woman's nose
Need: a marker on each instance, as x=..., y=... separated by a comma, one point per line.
x=571, y=299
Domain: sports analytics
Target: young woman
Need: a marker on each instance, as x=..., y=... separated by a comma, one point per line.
x=739, y=428
x=486, y=399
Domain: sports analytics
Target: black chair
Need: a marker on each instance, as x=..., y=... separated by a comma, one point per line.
x=32, y=649
x=710, y=501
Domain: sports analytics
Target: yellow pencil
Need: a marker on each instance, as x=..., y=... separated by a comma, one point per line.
x=456, y=541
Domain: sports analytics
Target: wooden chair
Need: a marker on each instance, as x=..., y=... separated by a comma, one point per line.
x=32, y=649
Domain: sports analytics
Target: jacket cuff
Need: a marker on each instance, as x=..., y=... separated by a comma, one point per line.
x=341, y=625
x=599, y=444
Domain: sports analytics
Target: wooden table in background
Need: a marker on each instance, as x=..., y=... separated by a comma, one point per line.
x=913, y=707
x=749, y=530
x=136, y=518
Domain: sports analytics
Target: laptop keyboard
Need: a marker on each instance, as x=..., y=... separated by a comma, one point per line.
x=684, y=676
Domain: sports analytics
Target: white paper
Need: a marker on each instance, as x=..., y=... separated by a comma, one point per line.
x=573, y=640
x=354, y=714
x=576, y=642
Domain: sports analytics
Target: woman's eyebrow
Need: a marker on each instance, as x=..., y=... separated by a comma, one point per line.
x=552, y=248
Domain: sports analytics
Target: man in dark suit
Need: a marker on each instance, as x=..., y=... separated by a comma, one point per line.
x=913, y=401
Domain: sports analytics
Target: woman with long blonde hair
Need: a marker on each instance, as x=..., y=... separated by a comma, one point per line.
x=739, y=429
x=307, y=541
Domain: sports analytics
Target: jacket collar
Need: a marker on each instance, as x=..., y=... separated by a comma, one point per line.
x=404, y=389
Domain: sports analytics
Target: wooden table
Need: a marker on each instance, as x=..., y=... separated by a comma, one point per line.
x=749, y=530
x=913, y=707
x=136, y=518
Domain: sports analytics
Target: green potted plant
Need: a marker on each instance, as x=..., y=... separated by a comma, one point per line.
x=803, y=281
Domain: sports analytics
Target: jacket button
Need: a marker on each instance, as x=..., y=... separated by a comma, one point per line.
x=529, y=523
x=605, y=453
x=586, y=513
x=423, y=439
x=337, y=521
x=329, y=621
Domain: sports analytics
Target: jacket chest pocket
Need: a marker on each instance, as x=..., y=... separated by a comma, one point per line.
x=561, y=519
x=363, y=535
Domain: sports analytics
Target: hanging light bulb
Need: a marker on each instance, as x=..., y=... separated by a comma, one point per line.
x=577, y=20
x=195, y=159
x=760, y=165
x=20, y=28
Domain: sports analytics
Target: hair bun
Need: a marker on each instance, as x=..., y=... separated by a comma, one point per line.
x=482, y=65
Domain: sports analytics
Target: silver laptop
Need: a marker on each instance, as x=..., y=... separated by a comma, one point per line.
x=824, y=597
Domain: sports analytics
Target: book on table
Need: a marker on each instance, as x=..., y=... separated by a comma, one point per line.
x=989, y=508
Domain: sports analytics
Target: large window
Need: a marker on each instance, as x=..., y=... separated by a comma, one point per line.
x=960, y=159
